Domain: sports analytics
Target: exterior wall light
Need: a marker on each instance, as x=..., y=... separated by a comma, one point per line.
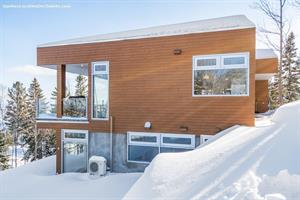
x=148, y=125
x=177, y=51
x=184, y=128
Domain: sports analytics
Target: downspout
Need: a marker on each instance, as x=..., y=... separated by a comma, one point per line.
x=111, y=143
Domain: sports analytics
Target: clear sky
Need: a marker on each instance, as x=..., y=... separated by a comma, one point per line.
x=23, y=28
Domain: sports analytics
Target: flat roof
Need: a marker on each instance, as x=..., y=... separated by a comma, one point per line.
x=265, y=53
x=200, y=26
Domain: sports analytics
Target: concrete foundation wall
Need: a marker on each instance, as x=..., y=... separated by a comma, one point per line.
x=99, y=144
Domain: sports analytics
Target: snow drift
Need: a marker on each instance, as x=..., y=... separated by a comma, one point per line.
x=259, y=162
x=37, y=181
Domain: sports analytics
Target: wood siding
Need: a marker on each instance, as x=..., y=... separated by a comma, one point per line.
x=261, y=96
x=269, y=65
x=149, y=83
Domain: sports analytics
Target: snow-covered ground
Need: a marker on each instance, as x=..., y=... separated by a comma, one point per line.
x=252, y=163
x=37, y=181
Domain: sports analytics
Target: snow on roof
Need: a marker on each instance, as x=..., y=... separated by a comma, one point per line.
x=265, y=53
x=200, y=26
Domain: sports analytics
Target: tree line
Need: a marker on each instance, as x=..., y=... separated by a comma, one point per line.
x=18, y=121
x=285, y=87
x=19, y=128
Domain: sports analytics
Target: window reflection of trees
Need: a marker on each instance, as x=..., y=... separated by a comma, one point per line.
x=220, y=82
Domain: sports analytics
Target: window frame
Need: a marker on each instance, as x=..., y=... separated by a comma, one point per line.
x=221, y=57
x=183, y=146
x=143, y=143
x=159, y=142
x=74, y=140
x=135, y=143
x=204, y=137
x=234, y=55
x=196, y=67
x=92, y=87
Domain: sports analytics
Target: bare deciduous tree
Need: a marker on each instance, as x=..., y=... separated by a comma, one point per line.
x=276, y=16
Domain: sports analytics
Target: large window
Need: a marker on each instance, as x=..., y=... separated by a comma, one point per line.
x=75, y=150
x=221, y=75
x=76, y=91
x=100, y=90
x=46, y=106
x=143, y=147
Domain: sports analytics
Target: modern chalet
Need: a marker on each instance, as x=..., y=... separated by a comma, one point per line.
x=153, y=90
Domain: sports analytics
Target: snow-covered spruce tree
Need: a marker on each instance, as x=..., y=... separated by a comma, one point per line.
x=81, y=85
x=53, y=99
x=17, y=114
x=40, y=143
x=290, y=76
x=3, y=152
x=298, y=73
x=48, y=142
x=35, y=96
x=274, y=92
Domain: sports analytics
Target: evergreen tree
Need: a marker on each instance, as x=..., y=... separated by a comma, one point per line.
x=35, y=95
x=53, y=99
x=47, y=143
x=81, y=86
x=17, y=113
x=274, y=93
x=40, y=143
x=3, y=152
x=290, y=77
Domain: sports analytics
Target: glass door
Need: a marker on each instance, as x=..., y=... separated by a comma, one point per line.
x=75, y=150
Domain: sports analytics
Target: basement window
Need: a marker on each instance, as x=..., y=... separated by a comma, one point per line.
x=143, y=147
x=221, y=75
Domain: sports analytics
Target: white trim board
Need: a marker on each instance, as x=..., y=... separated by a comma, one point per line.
x=265, y=76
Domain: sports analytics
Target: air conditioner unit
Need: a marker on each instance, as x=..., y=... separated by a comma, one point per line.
x=97, y=166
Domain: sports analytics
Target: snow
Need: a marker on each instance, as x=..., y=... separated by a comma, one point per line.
x=260, y=162
x=265, y=53
x=200, y=26
x=240, y=163
x=37, y=180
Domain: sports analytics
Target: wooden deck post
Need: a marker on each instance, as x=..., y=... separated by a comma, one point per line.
x=61, y=89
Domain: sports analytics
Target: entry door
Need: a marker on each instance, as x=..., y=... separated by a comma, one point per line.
x=75, y=150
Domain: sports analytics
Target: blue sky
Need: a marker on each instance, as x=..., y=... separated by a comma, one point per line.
x=22, y=29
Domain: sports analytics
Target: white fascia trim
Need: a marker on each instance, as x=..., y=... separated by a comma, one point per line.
x=62, y=121
x=265, y=76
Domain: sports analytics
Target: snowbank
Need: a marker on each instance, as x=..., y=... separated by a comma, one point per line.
x=259, y=162
x=37, y=180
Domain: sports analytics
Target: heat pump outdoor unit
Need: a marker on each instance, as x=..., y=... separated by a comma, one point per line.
x=97, y=166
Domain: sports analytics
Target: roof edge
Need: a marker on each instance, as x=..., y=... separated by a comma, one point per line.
x=141, y=33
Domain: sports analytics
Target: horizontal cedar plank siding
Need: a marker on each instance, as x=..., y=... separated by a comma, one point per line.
x=149, y=83
x=269, y=65
x=261, y=96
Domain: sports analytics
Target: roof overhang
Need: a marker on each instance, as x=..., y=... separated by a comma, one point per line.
x=201, y=26
x=71, y=68
x=266, y=64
